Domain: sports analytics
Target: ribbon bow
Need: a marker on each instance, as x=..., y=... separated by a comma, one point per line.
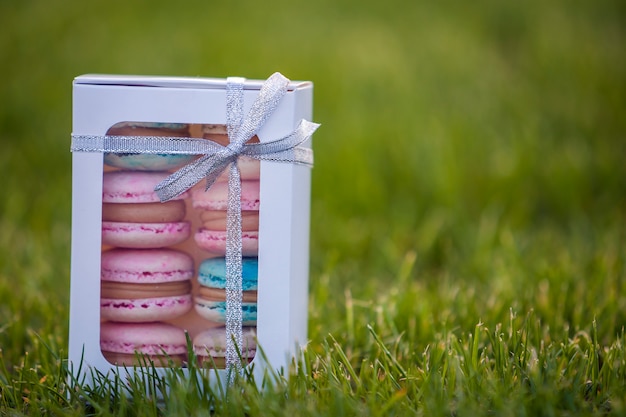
x=217, y=158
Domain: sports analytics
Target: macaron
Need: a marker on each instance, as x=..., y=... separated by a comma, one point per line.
x=249, y=168
x=125, y=344
x=144, y=235
x=210, y=300
x=210, y=346
x=144, y=285
x=216, y=132
x=134, y=217
x=149, y=129
x=216, y=197
x=211, y=236
x=148, y=162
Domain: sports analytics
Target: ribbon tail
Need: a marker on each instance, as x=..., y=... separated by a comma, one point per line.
x=186, y=177
x=212, y=176
x=301, y=134
x=298, y=155
x=234, y=315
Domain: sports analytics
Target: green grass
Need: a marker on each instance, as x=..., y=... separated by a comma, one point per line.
x=469, y=200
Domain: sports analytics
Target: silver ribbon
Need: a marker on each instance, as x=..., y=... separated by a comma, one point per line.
x=216, y=158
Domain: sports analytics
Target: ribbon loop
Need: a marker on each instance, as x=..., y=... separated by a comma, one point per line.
x=240, y=129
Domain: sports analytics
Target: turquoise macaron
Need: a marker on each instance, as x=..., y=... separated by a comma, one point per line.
x=210, y=301
x=212, y=273
x=146, y=161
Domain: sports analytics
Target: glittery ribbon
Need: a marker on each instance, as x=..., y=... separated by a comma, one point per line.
x=217, y=158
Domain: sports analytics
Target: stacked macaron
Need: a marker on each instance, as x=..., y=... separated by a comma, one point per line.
x=145, y=285
x=148, y=162
x=142, y=343
x=210, y=298
x=210, y=301
x=134, y=217
x=210, y=346
x=213, y=204
x=144, y=282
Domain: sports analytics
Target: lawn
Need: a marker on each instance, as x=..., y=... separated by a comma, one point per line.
x=468, y=249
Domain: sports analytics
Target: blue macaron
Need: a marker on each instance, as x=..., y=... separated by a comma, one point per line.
x=144, y=161
x=212, y=273
x=215, y=311
x=210, y=301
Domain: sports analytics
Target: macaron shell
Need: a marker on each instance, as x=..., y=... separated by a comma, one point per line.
x=149, y=129
x=147, y=162
x=215, y=311
x=212, y=342
x=133, y=186
x=214, y=241
x=144, y=235
x=146, y=265
x=215, y=132
x=212, y=273
x=249, y=169
x=135, y=360
x=210, y=129
x=216, y=197
x=145, y=309
x=146, y=338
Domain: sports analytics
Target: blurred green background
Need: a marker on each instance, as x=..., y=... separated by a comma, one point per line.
x=485, y=140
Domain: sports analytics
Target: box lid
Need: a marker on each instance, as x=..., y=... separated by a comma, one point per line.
x=172, y=82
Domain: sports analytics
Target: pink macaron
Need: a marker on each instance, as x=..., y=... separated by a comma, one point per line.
x=144, y=235
x=137, y=344
x=133, y=186
x=213, y=205
x=216, y=197
x=214, y=241
x=134, y=217
x=144, y=285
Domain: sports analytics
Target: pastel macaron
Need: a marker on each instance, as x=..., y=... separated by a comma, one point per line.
x=213, y=203
x=249, y=168
x=142, y=344
x=144, y=285
x=210, y=299
x=134, y=217
x=148, y=162
x=216, y=197
x=209, y=346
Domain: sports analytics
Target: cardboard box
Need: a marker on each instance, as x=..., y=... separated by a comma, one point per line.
x=104, y=103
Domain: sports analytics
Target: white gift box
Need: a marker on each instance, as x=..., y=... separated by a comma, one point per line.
x=102, y=101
